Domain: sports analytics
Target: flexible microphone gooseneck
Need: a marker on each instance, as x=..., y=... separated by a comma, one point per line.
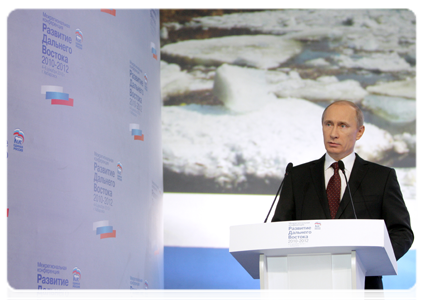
x=287, y=170
x=342, y=168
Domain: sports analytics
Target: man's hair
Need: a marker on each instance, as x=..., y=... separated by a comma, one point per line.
x=358, y=113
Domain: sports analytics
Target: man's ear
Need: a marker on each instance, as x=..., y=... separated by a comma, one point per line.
x=360, y=132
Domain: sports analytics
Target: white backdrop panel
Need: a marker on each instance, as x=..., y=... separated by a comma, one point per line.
x=84, y=149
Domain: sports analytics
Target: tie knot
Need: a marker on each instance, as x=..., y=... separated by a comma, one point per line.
x=335, y=166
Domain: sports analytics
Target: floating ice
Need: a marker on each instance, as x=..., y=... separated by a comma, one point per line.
x=390, y=62
x=241, y=89
x=408, y=139
x=374, y=143
x=360, y=29
x=393, y=109
x=176, y=82
x=407, y=181
x=173, y=81
x=326, y=88
x=215, y=143
x=260, y=51
x=404, y=88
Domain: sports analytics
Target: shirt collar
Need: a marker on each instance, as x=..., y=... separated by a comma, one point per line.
x=348, y=161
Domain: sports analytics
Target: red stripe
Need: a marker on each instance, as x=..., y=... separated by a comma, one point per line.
x=139, y=137
x=108, y=235
x=110, y=11
x=62, y=102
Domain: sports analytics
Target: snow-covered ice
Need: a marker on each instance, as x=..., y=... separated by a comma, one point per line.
x=404, y=88
x=216, y=143
x=325, y=88
x=393, y=109
x=260, y=51
x=241, y=89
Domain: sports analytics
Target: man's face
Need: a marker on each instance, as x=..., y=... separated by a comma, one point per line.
x=340, y=130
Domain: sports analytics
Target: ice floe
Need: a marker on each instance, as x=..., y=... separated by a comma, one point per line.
x=175, y=82
x=241, y=89
x=403, y=88
x=409, y=140
x=390, y=62
x=260, y=51
x=370, y=29
x=325, y=88
x=393, y=109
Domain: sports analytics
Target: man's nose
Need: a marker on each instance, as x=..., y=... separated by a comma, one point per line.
x=334, y=132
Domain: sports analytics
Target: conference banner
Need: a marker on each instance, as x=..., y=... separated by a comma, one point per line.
x=84, y=168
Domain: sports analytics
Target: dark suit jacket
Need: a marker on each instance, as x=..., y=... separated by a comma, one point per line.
x=375, y=192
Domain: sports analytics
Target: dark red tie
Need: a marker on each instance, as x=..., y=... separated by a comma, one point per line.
x=334, y=191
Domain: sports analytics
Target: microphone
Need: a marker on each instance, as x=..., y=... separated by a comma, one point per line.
x=287, y=170
x=342, y=168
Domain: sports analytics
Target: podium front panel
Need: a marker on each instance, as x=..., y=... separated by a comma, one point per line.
x=369, y=238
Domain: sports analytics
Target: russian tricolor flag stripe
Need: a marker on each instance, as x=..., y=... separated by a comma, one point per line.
x=62, y=102
x=136, y=132
x=57, y=95
x=153, y=50
x=108, y=235
x=51, y=88
x=104, y=229
x=109, y=11
x=100, y=224
x=133, y=126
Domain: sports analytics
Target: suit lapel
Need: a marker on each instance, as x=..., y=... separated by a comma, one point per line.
x=318, y=177
x=356, y=177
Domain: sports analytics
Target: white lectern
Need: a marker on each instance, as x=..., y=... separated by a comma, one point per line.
x=314, y=254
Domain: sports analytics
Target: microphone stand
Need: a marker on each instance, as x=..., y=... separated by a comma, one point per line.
x=342, y=168
x=287, y=170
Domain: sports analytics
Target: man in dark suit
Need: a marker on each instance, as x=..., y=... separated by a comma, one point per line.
x=308, y=190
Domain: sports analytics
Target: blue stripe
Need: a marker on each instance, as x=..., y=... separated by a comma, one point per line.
x=57, y=95
x=136, y=132
x=104, y=229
